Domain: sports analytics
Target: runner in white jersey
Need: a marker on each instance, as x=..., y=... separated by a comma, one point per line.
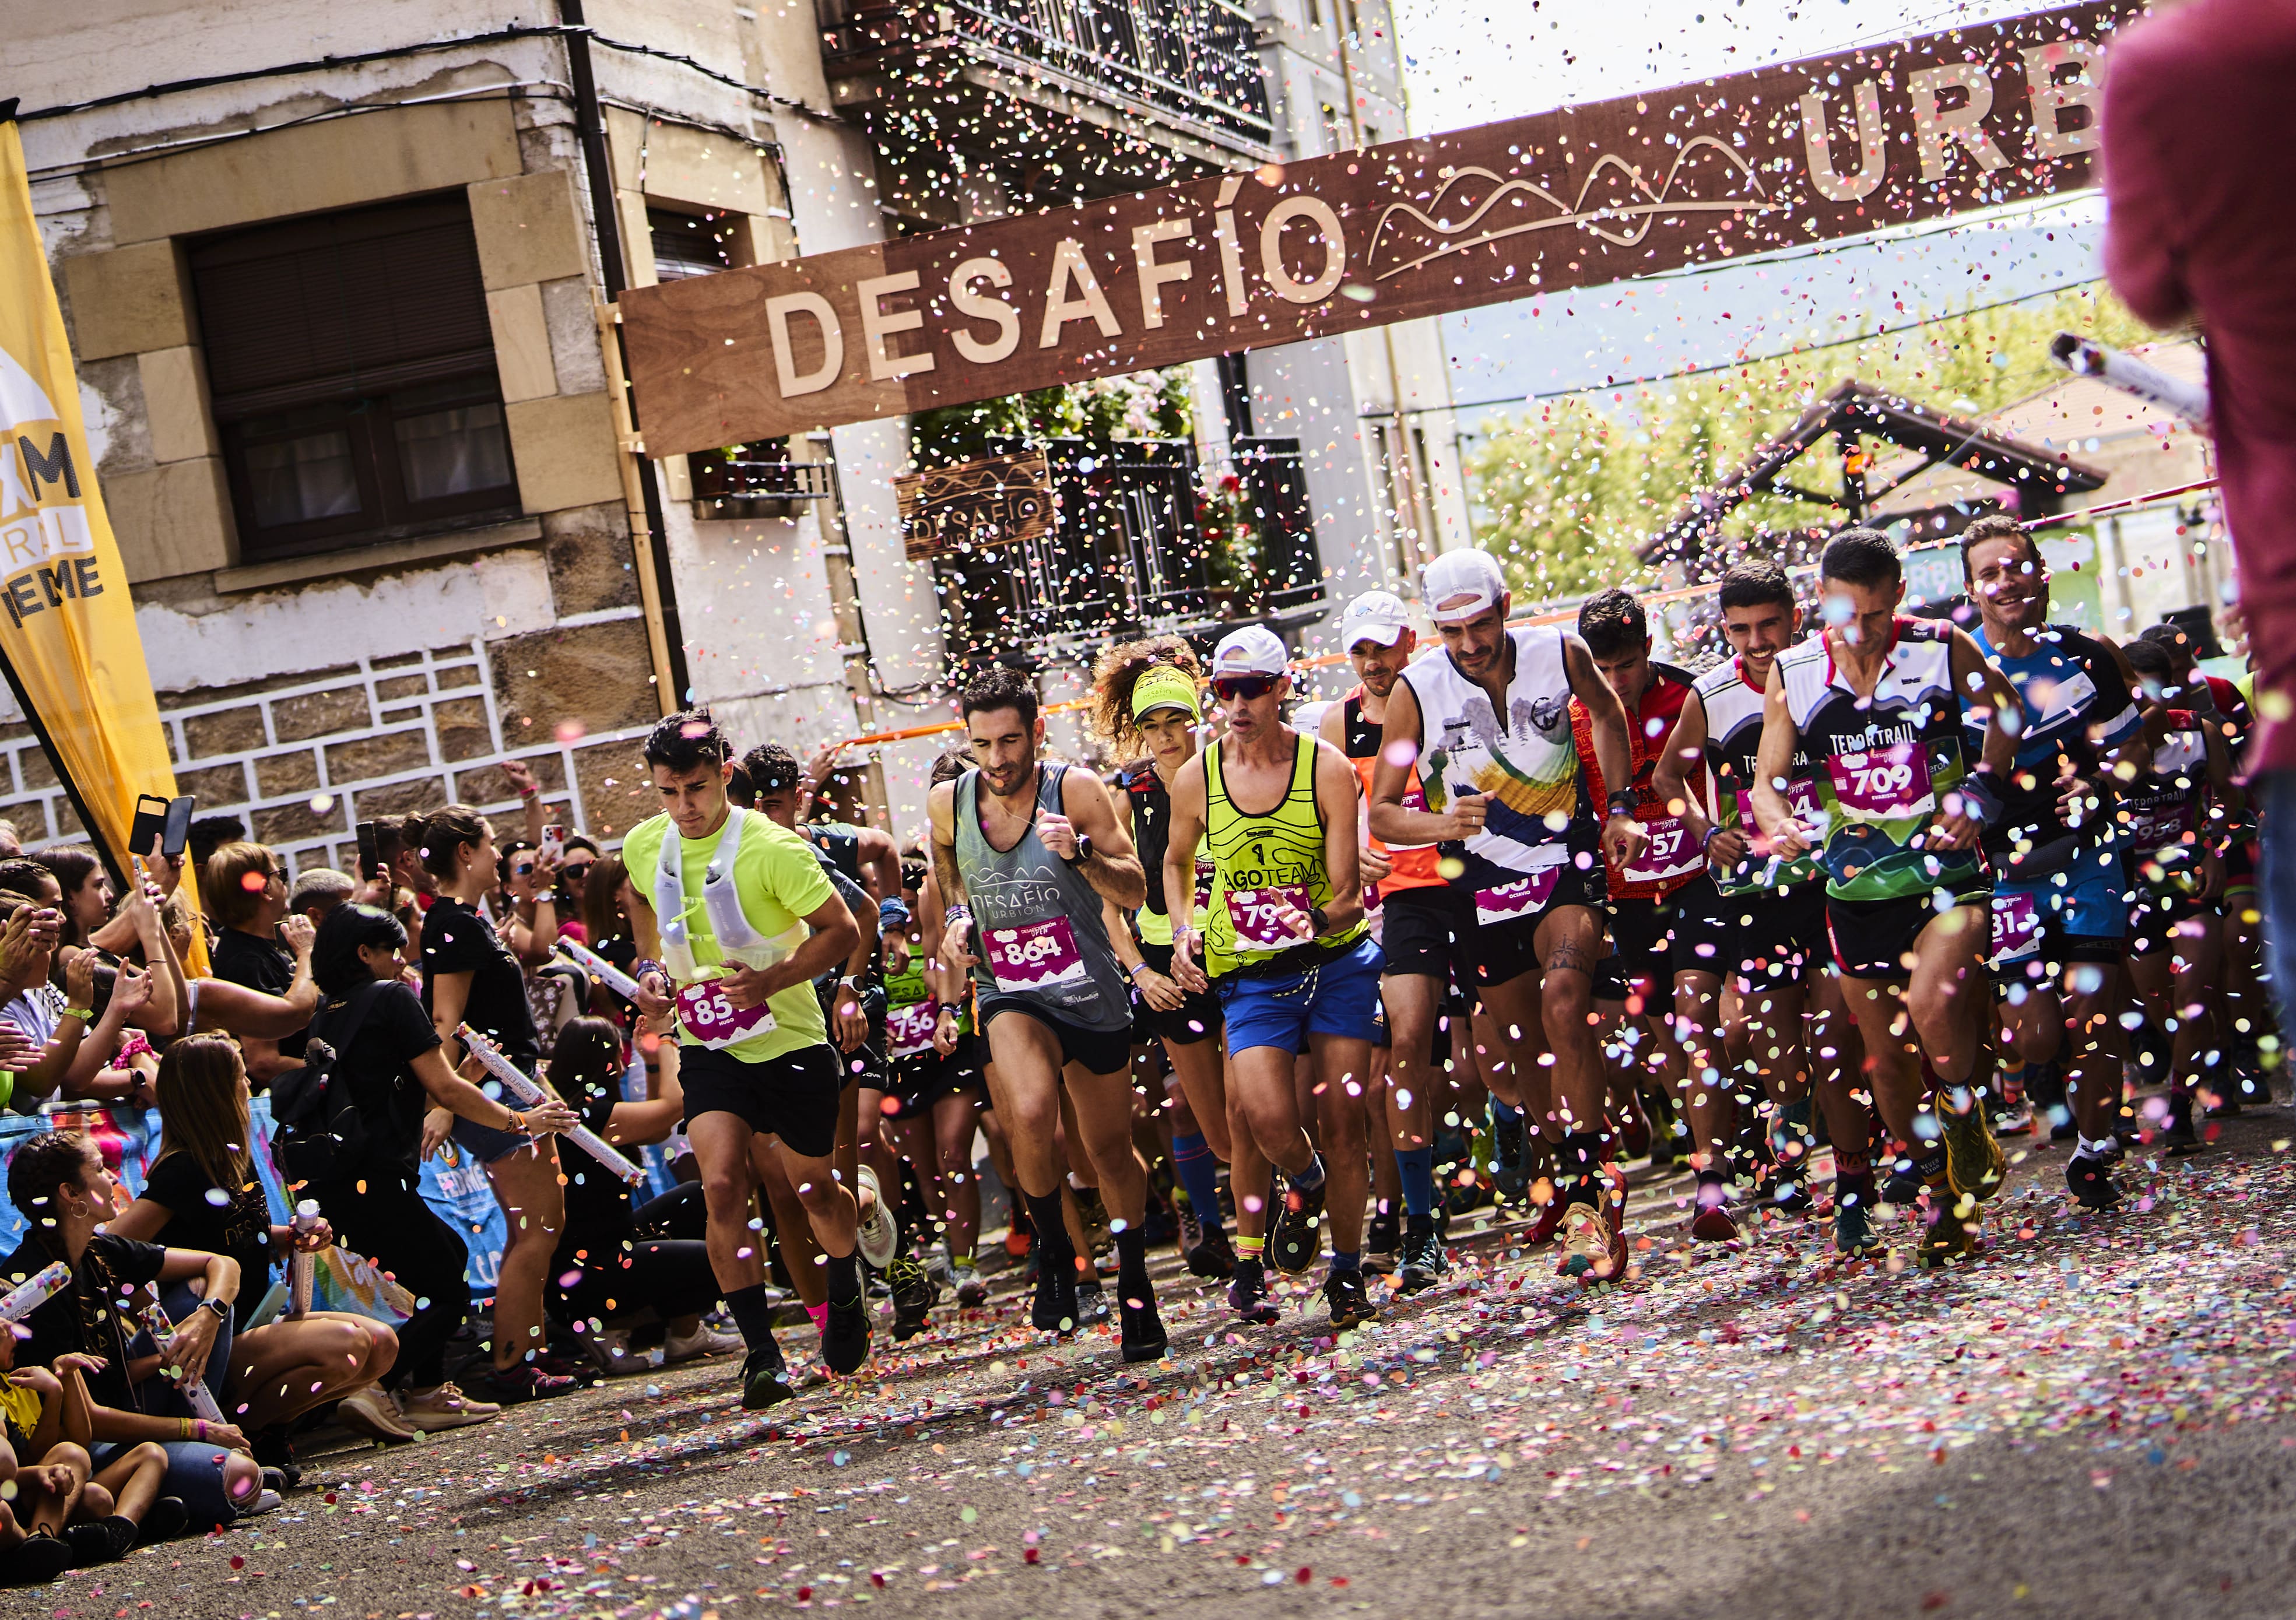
x=1026, y=852
x=1766, y=920
x=1484, y=728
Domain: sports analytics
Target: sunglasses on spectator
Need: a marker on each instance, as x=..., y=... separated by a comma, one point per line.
x=577, y=869
x=1231, y=688
x=524, y=869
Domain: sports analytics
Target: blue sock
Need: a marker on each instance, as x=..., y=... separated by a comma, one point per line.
x=1347, y=1260
x=1193, y=1163
x=1503, y=1114
x=1309, y=1179
x=1417, y=1166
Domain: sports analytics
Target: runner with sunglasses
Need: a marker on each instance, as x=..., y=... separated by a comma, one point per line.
x=1286, y=941
x=1485, y=732
x=1025, y=855
x=1878, y=702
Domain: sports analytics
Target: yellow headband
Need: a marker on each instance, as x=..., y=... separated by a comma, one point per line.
x=1166, y=686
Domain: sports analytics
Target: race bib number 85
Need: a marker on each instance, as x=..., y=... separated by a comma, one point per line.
x=713, y=1019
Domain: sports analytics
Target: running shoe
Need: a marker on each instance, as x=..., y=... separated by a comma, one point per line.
x=1425, y=1262
x=881, y=1232
x=1510, y=1176
x=1382, y=1238
x=1141, y=1329
x=1212, y=1257
x=1853, y=1237
x=1017, y=1239
x=1713, y=1223
x=704, y=1340
x=1589, y=1252
x=845, y=1336
x=1549, y=1222
x=1634, y=1133
x=1298, y=1237
x=1246, y=1292
x=514, y=1386
x=915, y=1293
x=1192, y=1230
x=1054, y=1308
x=163, y=1521
x=765, y=1378
x=2089, y=1176
x=2013, y=1119
x=1098, y=1231
x=372, y=1412
x=971, y=1292
x=2177, y=1133
x=1350, y=1305
x=1092, y=1298
x=1946, y=1234
x=1974, y=1161
x=35, y=1560
x=444, y=1407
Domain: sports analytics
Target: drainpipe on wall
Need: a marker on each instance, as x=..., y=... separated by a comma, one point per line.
x=641, y=485
x=845, y=613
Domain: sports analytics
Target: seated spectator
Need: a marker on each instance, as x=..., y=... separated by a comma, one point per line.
x=393, y=1070
x=246, y=896
x=318, y=891
x=607, y=1281
x=203, y=1193
x=59, y=1183
x=65, y=1512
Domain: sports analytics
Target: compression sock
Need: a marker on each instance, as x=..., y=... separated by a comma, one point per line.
x=1132, y=1263
x=1052, y=1231
x=1309, y=1179
x=1198, y=1172
x=844, y=1277
x=751, y=1314
x=1582, y=1167
x=1417, y=1167
x=1853, y=1179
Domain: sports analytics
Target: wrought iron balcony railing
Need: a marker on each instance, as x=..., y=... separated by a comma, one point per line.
x=1194, y=62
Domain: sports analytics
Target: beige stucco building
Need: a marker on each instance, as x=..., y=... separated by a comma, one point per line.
x=333, y=278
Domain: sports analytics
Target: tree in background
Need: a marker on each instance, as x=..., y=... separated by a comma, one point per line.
x=1143, y=405
x=1565, y=490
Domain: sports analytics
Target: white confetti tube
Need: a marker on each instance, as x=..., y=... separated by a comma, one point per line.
x=598, y=968
x=299, y=1264
x=29, y=1297
x=196, y=1390
x=2086, y=358
x=529, y=1094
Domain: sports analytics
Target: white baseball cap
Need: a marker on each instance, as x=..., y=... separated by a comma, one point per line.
x=1375, y=616
x=1254, y=649
x=1475, y=576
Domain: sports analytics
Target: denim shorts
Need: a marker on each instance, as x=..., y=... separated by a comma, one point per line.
x=194, y=1467
x=484, y=1143
x=1338, y=998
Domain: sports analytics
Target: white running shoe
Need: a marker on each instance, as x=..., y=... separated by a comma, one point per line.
x=370, y=1412
x=706, y=1341
x=881, y=1234
x=971, y=1292
x=444, y=1407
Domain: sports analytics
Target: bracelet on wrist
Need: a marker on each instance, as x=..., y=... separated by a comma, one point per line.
x=84, y=1014
x=1621, y=803
x=1134, y=970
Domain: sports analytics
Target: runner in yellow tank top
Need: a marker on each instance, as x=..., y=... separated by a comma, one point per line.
x=1287, y=948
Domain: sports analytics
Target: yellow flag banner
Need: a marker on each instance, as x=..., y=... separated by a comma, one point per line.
x=68, y=632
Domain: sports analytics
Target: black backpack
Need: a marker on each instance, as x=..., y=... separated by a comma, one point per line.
x=319, y=1132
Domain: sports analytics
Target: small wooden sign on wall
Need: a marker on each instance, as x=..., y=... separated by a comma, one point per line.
x=998, y=500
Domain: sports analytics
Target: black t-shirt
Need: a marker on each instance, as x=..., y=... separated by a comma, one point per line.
x=260, y=964
x=598, y=1215
x=374, y=1060
x=99, y=1314
x=234, y=1220
x=455, y=940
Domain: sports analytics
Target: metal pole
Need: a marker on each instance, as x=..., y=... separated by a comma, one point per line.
x=590, y=122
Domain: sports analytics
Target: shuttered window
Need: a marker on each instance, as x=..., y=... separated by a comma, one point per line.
x=353, y=374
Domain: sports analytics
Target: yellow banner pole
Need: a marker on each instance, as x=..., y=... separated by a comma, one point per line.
x=68, y=638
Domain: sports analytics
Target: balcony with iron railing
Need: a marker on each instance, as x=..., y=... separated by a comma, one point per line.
x=1190, y=67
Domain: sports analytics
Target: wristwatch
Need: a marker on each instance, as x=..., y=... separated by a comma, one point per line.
x=222, y=1311
x=1082, y=851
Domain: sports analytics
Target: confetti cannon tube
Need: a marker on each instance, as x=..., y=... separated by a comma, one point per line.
x=528, y=1093
x=299, y=1268
x=2151, y=384
x=196, y=1390
x=598, y=968
x=23, y=1300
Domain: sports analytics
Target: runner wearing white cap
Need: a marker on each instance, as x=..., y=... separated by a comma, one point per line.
x=1485, y=732
x=1285, y=942
x=1419, y=940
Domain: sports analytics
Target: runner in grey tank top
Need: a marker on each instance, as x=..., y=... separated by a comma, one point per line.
x=1041, y=938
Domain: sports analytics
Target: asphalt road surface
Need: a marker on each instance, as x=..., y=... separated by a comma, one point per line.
x=2090, y=1421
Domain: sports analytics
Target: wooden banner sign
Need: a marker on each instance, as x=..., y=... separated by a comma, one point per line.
x=1812, y=150
x=998, y=500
